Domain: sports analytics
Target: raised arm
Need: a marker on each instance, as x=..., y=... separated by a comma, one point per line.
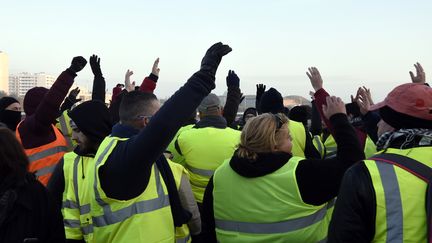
x=233, y=97
x=99, y=85
x=149, y=83
x=260, y=89
x=176, y=110
x=70, y=100
x=320, y=94
x=47, y=111
x=319, y=180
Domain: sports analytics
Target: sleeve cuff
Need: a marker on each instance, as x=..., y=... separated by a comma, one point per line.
x=153, y=77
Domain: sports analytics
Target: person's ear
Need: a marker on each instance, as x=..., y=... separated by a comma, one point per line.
x=146, y=121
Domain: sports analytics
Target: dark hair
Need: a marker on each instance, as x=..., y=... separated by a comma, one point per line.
x=134, y=104
x=13, y=160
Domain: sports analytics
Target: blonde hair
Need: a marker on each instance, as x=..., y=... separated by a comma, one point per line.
x=261, y=135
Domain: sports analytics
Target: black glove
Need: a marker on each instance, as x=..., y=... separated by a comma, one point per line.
x=78, y=63
x=260, y=90
x=213, y=57
x=232, y=80
x=242, y=97
x=95, y=65
x=73, y=94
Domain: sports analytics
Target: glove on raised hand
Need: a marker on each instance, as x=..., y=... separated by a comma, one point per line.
x=232, y=80
x=213, y=57
x=78, y=63
x=95, y=65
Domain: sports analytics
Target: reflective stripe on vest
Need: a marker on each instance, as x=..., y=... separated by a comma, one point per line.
x=145, y=206
x=393, y=202
x=45, y=170
x=201, y=172
x=183, y=240
x=274, y=228
x=46, y=153
x=64, y=129
x=84, y=209
x=319, y=144
x=71, y=223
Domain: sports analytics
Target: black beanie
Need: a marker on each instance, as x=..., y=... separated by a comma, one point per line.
x=271, y=102
x=301, y=113
x=93, y=119
x=7, y=101
x=400, y=120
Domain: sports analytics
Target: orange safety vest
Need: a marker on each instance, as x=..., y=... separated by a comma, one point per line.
x=43, y=159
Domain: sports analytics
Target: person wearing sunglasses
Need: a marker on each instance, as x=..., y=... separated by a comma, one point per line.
x=265, y=194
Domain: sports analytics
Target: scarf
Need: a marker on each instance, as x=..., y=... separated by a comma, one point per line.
x=405, y=138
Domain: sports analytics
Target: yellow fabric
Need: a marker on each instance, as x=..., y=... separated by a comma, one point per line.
x=413, y=201
x=206, y=149
x=77, y=168
x=298, y=135
x=133, y=220
x=178, y=171
x=176, y=157
x=272, y=198
x=63, y=124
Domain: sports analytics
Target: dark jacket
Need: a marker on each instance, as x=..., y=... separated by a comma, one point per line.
x=231, y=105
x=33, y=215
x=318, y=179
x=353, y=219
x=35, y=130
x=129, y=165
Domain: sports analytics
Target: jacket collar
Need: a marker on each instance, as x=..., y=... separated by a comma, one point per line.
x=212, y=121
x=265, y=164
x=123, y=131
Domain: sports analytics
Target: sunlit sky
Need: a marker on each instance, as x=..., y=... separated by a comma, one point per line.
x=353, y=43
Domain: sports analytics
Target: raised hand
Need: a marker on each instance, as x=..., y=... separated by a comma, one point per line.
x=334, y=106
x=128, y=85
x=232, y=80
x=95, y=65
x=420, y=76
x=315, y=78
x=155, y=68
x=77, y=64
x=73, y=94
x=213, y=57
x=364, y=100
x=260, y=89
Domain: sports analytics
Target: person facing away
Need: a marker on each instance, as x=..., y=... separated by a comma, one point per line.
x=265, y=194
x=43, y=143
x=90, y=123
x=271, y=101
x=132, y=180
x=206, y=145
x=387, y=197
x=27, y=210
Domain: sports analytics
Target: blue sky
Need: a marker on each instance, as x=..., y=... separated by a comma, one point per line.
x=353, y=43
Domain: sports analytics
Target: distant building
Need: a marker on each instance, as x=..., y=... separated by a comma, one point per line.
x=295, y=100
x=20, y=83
x=4, y=72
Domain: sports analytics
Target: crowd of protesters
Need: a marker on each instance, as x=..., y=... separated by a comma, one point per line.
x=188, y=171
